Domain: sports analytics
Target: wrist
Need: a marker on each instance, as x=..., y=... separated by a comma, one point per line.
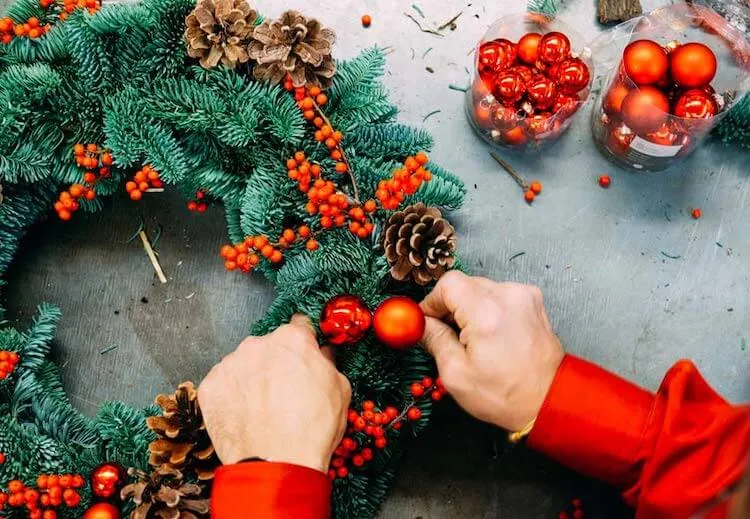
x=308, y=459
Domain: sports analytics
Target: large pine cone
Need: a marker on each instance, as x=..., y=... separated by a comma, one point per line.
x=293, y=45
x=419, y=244
x=163, y=494
x=220, y=31
x=183, y=442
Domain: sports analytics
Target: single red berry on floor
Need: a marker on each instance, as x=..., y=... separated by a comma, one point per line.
x=529, y=196
x=414, y=413
x=366, y=20
x=605, y=181
x=536, y=187
x=697, y=213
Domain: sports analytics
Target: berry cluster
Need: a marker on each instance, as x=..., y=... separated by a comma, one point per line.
x=8, y=362
x=370, y=427
x=198, y=205
x=575, y=510
x=245, y=256
x=91, y=157
x=534, y=189
x=31, y=28
x=51, y=491
x=144, y=180
x=404, y=181
x=71, y=5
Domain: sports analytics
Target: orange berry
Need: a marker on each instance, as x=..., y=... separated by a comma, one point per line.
x=291, y=164
x=91, y=148
x=259, y=242
x=529, y=196
x=422, y=158
x=319, y=136
x=19, y=30
x=366, y=20
x=65, y=481
x=293, y=174
x=411, y=164
x=536, y=187
x=140, y=176
x=276, y=257
x=230, y=265
x=314, y=91
x=76, y=190
x=309, y=115
x=341, y=167
x=318, y=122
x=266, y=251
x=327, y=131
x=79, y=150
x=321, y=99
x=331, y=143
x=241, y=247
x=90, y=194
x=307, y=103
x=288, y=235
x=337, y=155
x=326, y=222
x=697, y=213
x=370, y=206
x=4, y=356
x=35, y=32
x=312, y=245
x=152, y=174
x=15, y=486
x=354, y=227
x=338, y=136
x=130, y=186
x=143, y=186
x=89, y=177
x=304, y=231
x=107, y=159
x=241, y=259
x=299, y=157
x=605, y=181
x=136, y=195
x=64, y=215
x=362, y=233
x=311, y=208
x=6, y=38
x=253, y=259
x=5, y=366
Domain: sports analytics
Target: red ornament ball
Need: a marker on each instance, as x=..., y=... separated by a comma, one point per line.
x=399, y=322
x=509, y=87
x=614, y=98
x=539, y=124
x=541, y=91
x=692, y=65
x=695, y=103
x=345, y=320
x=645, y=62
x=619, y=139
x=510, y=51
x=102, y=511
x=504, y=117
x=493, y=57
x=572, y=75
x=565, y=105
x=645, y=109
x=553, y=47
x=526, y=73
x=107, y=479
x=665, y=135
x=515, y=137
x=528, y=47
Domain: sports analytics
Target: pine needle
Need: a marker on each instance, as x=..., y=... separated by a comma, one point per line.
x=459, y=89
x=107, y=350
x=516, y=256
x=434, y=112
x=417, y=9
x=451, y=23
x=426, y=53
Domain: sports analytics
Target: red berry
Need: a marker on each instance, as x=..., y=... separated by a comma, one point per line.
x=605, y=181
x=536, y=187
x=427, y=382
x=367, y=453
x=358, y=460
x=697, y=213
x=417, y=389
x=352, y=415
x=414, y=413
x=342, y=472
x=578, y=514
x=529, y=196
x=359, y=424
x=368, y=405
x=349, y=444
x=380, y=443
x=391, y=413
x=436, y=395
x=331, y=474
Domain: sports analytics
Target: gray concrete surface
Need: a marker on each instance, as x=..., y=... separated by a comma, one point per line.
x=612, y=293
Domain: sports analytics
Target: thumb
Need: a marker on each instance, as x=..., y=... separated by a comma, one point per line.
x=442, y=343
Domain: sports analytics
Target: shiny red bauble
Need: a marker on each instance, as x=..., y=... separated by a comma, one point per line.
x=525, y=72
x=509, y=87
x=572, y=75
x=345, y=320
x=102, y=511
x=645, y=62
x=665, y=135
x=528, y=48
x=107, y=479
x=541, y=91
x=692, y=65
x=614, y=98
x=510, y=51
x=491, y=59
x=565, y=105
x=619, y=139
x=645, y=109
x=399, y=322
x=554, y=47
x=539, y=124
x=696, y=103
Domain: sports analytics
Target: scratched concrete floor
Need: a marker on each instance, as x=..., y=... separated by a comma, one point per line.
x=613, y=294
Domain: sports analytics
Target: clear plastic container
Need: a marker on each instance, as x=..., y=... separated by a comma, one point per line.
x=522, y=125
x=626, y=139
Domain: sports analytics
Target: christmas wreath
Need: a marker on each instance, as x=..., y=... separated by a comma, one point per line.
x=325, y=194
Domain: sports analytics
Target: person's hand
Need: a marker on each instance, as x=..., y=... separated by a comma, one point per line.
x=502, y=364
x=277, y=397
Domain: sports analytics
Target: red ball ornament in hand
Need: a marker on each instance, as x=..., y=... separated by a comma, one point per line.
x=695, y=103
x=692, y=65
x=541, y=91
x=509, y=87
x=528, y=47
x=399, y=322
x=107, y=479
x=645, y=62
x=645, y=109
x=572, y=75
x=554, y=47
x=345, y=320
x=102, y=511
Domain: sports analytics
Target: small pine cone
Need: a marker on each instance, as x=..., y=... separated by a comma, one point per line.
x=220, y=31
x=163, y=494
x=293, y=45
x=419, y=244
x=183, y=442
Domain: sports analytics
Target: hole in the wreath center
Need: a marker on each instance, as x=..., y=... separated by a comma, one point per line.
x=123, y=334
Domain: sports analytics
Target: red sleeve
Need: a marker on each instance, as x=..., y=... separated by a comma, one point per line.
x=672, y=453
x=264, y=490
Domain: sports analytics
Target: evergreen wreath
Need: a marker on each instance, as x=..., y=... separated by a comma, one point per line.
x=93, y=97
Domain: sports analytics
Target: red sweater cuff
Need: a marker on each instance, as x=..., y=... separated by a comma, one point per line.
x=265, y=490
x=593, y=422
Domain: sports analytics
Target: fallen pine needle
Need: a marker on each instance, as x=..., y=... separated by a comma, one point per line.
x=151, y=256
x=458, y=88
x=135, y=235
x=451, y=23
x=107, y=350
x=434, y=112
x=426, y=53
x=670, y=256
x=516, y=256
x=417, y=9
x=428, y=31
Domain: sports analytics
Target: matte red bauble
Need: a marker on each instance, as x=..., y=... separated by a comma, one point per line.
x=572, y=75
x=565, y=105
x=541, y=91
x=645, y=109
x=345, y=320
x=526, y=73
x=554, y=47
x=665, y=135
x=509, y=87
x=692, y=65
x=696, y=103
x=645, y=62
x=539, y=124
x=399, y=322
x=515, y=137
x=613, y=100
x=504, y=117
x=102, y=511
x=528, y=47
x=619, y=139
x=107, y=479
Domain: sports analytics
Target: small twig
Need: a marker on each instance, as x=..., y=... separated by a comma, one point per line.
x=426, y=53
x=107, y=350
x=349, y=170
x=418, y=10
x=516, y=256
x=459, y=89
x=428, y=31
x=430, y=115
x=512, y=172
x=451, y=23
x=155, y=190
x=670, y=256
x=154, y=261
x=430, y=70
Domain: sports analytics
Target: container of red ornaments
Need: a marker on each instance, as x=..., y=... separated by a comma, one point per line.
x=672, y=75
x=532, y=73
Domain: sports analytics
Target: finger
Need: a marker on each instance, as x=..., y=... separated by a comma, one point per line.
x=453, y=296
x=302, y=321
x=328, y=353
x=442, y=343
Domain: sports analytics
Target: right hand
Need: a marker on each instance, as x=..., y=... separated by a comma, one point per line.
x=502, y=364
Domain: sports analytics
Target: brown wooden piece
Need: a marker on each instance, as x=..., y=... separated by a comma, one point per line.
x=618, y=10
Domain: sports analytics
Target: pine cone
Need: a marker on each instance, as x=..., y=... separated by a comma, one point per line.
x=164, y=495
x=296, y=46
x=419, y=244
x=220, y=31
x=183, y=442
